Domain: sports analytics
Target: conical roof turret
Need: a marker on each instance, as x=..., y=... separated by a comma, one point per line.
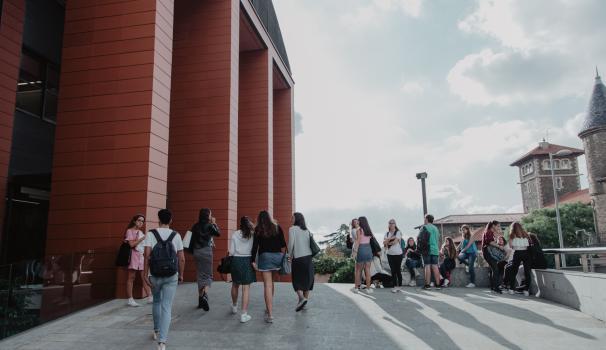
x=596, y=113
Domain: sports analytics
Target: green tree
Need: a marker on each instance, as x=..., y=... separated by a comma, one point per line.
x=338, y=240
x=574, y=217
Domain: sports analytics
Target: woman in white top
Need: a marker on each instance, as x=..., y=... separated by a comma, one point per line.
x=519, y=241
x=392, y=240
x=242, y=274
x=302, y=264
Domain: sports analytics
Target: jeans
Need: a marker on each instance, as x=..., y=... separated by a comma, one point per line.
x=495, y=273
x=469, y=259
x=446, y=267
x=163, y=290
x=395, y=265
x=411, y=264
x=519, y=256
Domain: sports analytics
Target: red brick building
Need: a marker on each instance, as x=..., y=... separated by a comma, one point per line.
x=110, y=108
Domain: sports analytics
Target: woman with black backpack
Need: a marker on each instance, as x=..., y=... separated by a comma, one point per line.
x=202, y=245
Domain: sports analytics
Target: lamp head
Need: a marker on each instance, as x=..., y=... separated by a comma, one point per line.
x=421, y=176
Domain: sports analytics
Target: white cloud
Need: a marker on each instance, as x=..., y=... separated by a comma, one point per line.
x=413, y=88
x=573, y=125
x=540, y=54
x=372, y=11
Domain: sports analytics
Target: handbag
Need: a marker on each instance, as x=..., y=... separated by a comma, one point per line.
x=495, y=253
x=225, y=265
x=285, y=268
x=124, y=253
x=375, y=246
x=315, y=248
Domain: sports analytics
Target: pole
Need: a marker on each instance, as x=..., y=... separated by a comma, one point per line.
x=424, y=197
x=557, y=208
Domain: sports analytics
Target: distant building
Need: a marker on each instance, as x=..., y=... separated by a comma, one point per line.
x=593, y=135
x=535, y=176
x=449, y=225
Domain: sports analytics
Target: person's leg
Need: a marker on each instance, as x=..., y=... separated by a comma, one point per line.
x=367, y=275
x=169, y=288
x=306, y=294
x=145, y=286
x=267, y=292
x=472, y=272
x=157, y=294
x=234, y=293
x=391, y=259
x=527, y=270
x=410, y=265
x=245, y=298
x=358, y=275
x=513, y=270
x=436, y=273
x=427, y=274
x=399, y=269
x=300, y=294
x=129, y=283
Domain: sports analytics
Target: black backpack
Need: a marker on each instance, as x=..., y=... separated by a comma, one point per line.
x=163, y=260
x=123, y=258
x=423, y=242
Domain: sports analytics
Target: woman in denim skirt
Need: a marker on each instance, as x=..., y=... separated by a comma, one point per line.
x=268, y=245
x=362, y=252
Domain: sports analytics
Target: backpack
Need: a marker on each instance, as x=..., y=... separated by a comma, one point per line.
x=423, y=242
x=123, y=258
x=163, y=260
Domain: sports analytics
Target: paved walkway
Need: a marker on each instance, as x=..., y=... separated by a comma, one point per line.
x=336, y=319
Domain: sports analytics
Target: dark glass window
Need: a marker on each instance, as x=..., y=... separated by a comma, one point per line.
x=38, y=87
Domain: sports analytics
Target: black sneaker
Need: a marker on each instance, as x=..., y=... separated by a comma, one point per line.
x=498, y=290
x=203, y=302
x=426, y=287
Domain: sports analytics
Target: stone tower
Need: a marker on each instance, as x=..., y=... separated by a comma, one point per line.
x=535, y=175
x=593, y=135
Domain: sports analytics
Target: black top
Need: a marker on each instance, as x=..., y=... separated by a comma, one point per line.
x=268, y=244
x=202, y=234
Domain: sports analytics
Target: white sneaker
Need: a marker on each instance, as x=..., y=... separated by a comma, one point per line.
x=526, y=293
x=355, y=290
x=161, y=346
x=470, y=285
x=511, y=292
x=245, y=318
x=394, y=290
x=150, y=300
x=432, y=284
x=234, y=309
x=446, y=282
x=466, y=268
x=132, y=302
x=412, y=283
x=369, y=290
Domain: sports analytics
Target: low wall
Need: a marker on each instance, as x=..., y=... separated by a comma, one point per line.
x=582, y=291
x=459, y=278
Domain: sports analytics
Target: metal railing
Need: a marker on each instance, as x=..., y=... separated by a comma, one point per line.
x=587, y=260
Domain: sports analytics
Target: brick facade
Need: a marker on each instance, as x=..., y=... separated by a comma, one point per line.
x=595, y=149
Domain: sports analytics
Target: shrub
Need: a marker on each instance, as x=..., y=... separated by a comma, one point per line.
x=345, y=273
x=325, y=264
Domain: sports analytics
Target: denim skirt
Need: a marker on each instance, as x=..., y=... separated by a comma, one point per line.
x=364, y=254
x=270, y=261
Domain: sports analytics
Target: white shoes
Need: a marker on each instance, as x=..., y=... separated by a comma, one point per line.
x=511, y=292
x=161, y=346
x=526, y=293
x=470, y=285
x=234, y=309
x=412, y=283
x=132, y=302
x=432, y=284
x=369, y=290
x=466, y=268
x=394, y=290
x=245, y=318
x=446, y=282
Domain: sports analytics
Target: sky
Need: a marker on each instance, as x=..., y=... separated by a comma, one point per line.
x=385, y=89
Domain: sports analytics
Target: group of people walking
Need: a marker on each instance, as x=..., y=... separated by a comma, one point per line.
x=522, y=251
x=158, y=257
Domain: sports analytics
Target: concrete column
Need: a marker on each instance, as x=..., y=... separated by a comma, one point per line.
x=11, y=34
x=255, y=157
x=111, y=146
x=203, y=151
x=284, y=175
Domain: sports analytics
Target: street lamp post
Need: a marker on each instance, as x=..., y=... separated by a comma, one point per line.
x=560, y=153
x=422, y=177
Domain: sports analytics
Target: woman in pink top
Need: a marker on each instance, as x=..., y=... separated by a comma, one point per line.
x=362, y=253
x=134, y=236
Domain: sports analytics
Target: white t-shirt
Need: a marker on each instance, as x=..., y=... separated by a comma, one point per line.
x=396, y=248
x=150, y=239
x=239, y=246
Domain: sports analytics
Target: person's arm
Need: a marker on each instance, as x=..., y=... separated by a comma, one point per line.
x=146, y=255
x=253, y=253
x=133, y=242
x=291, y=241
x=181, y=257
x=231, y=248
x=213, y=228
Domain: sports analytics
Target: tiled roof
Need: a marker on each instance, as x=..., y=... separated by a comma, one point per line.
x=544, y=148
x=478, y=218
x=596, y=113
x=574, y=197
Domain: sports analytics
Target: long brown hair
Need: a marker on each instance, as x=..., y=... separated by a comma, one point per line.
x=247, y=227
x=466, y=231
x=133, y=221
x=517, y=231
x=450, y=247
x=266, y=226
